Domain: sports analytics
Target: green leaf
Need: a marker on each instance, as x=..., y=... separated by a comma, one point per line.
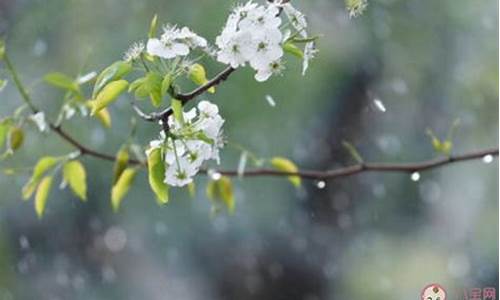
x=153, y=26
x=153, y=82
x=42, y=194
x=120, y=189
x=121, y=163
x=165, y=84
x=221, y=191
x=61, y=81
x=353, y=151
x=177, y=108
x=104, y=117
x=156, y=175
x=114, y=72
x=148, y=86
x=286, y=165
x=108, y=95
x=4, y=131
x=292, y=49
x=191, y=189
x=74, y=174
x=15, y=138
x=43, y=165
x=2, y=49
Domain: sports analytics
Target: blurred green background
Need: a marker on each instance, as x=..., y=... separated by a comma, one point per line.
x=372, y=236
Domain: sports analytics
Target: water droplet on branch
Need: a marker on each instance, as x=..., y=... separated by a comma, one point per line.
x=415, y=176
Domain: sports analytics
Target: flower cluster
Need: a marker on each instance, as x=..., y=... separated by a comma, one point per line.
x=253, y=34
x=175, y=42
x=191, y=141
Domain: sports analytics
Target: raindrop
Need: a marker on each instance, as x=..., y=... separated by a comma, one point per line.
x=115, y=239
x=415, y=176
x=214, y=175
x=24, y=242
x=379, y=105
x=270, y=100
x=321, y=184
x=242, y=163
x=487, y=159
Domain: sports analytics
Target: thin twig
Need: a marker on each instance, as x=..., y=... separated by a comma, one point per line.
x=162, y=115
x=370, y=167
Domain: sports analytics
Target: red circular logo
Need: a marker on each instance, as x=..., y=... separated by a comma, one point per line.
x=433, y=291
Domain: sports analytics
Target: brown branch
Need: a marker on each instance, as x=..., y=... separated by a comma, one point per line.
x=308, y=174
x=370, y=167
x=163, y=115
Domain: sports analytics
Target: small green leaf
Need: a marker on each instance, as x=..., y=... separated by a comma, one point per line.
x=121, y=163
x=191, y=189
x=156, y=175
x=43, y=165
x=177, y=109
x=104, y=117
x=114, y=72
x=165, y=84
x=153, y=26
x=153, y=82
x=42, y=193
x=15, y=138
x=108, y=95
x=74, y=174
x=292, y=49
x=221, y=191
x=286, y=165
x=446, y=147
x=4, y=131
x=61, y=81
x=148, y=86
x=3, y=84
x=120, y=189
x=2, y=49
x=353, y=151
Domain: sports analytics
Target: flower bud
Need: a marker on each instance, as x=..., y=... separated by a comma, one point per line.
x=16, y=138
x=198, y=75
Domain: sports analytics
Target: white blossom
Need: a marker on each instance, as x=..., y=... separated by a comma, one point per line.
x=272, y=68
x=261, y=18
x=166, y=48
x=297, y=18
x=174, y=42
x=180, y=173
x=196, y=140
x=309, y=53
x=134, y=52
x=252, y=34
x=191, y=39
x=40, y=122
x=237, y=49
x=266, y=49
